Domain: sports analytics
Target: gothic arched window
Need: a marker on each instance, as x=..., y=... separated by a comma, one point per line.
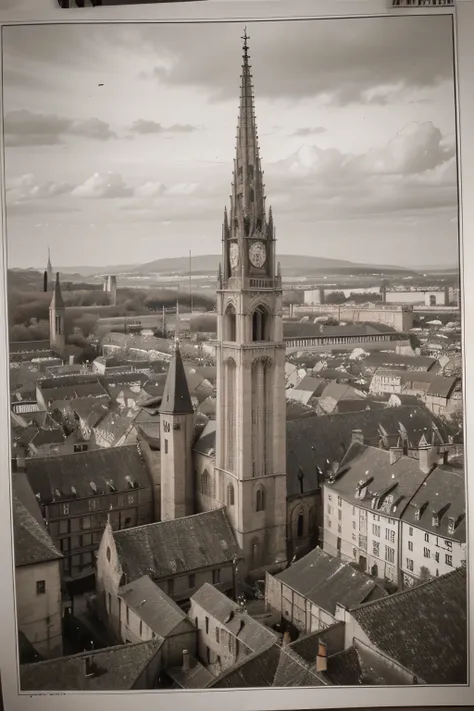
x=205, y=483
x=300, y=525
x=260, y=499
x=261, y=324
x=230, y=495
x=230, y=324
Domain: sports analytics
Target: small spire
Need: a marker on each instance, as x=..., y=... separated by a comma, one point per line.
x=57, y=300
x=219, y=276
x=279, y=270
x=176, y=328
x=176, y=398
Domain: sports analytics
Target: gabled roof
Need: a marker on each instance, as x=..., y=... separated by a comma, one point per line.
x=33, y=545
x=423, y=628
x=307, y=645
x=116, y=669
x=251, y=633
x=153, y=606
x=168, y=548
x=176, y=398
x=328, y=581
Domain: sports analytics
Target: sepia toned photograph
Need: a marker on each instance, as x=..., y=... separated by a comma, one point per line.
x=235, y=354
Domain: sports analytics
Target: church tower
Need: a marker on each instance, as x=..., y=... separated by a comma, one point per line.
x=49, y=272
x=57, y=319
x=176, y=440
x=251, y=406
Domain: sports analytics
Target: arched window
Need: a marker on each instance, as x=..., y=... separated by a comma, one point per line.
x=230, y=495
x=205, y=483
x=260, y=499
x=260, y=324
x=230, y=324
x=108, y=554
x=229, y=414
x=300, y=525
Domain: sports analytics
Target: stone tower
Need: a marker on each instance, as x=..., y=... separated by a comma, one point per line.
x=251, y=408
x=176, y=439
x=49, y=272
x=57, y=319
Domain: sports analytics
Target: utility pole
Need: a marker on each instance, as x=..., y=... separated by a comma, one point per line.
x=190, y=283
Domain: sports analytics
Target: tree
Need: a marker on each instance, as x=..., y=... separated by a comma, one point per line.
x=335, y=297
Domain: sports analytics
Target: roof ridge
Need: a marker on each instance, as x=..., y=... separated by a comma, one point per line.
x=172, y=520
x=103, y=650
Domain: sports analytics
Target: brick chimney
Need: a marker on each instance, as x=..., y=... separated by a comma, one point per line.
x=89, y=666
x=424, y=459
x=322, y=658
x=357, y=437
x=186, y=661
x=394, y=455
x=286, y=638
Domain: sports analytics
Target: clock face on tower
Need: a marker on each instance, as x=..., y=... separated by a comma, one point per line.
x=234, y=255
x=257, y=254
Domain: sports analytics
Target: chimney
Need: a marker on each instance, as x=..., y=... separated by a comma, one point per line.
x=89, y=666
x=322, y=658
x=286, y=638
x=393, y=455
x=357, y=437
x=186, y=661
x=445, y=457
x=424, y=459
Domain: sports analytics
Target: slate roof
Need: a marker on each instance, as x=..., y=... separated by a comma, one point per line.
x=27, y=346
x=26, y=651
x=33, y=545
x=443, y=493
x=153, y=606
x=327, y=581
x=396, y=360
x=304, y=329
x=251, y=633
x=275, y=666
x=101, y=466
x=176, y=398
x=423, y=628
x=168, y=548
x=118, y=669
x=295, y=410
x=198, y=677
x=206, y=444
x=307, y=645
x=356, y=666
x=310, y=384
x=340, y=391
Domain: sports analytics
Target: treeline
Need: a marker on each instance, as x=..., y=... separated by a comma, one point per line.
x=338, y=297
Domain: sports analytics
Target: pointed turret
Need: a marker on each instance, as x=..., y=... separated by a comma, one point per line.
x=176, y=398
x=49, y=271
x=57, y=300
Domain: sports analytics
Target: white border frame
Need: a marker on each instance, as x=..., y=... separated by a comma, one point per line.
x=245, y=699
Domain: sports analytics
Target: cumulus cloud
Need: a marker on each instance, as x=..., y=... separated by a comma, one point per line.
x=145, y=127
x=27, y=188
x=150, y=189
x=309, y=131
x=27, y=128
x=103, y=185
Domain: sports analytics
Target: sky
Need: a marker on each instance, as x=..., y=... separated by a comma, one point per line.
x=120, y=139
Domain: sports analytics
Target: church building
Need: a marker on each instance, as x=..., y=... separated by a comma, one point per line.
x=246, y=473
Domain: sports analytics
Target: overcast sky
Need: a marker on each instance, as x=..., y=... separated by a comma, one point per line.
x=120, y=139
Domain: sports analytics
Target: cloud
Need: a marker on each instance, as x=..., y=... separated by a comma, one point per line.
x=144, y=127
x=26, y=188
x=150, y=189
x=103, y=185
x=308, y=131
x=26, y=128
x=337, y=59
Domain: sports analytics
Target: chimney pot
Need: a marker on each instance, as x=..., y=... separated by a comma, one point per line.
x=286, y=638
x=424, y=459
x=393, y=456
x=445, y=457
x=357, y=437
x=186, y=661
x=322, y=658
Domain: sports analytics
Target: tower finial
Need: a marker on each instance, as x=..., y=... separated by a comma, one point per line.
x=176, y=328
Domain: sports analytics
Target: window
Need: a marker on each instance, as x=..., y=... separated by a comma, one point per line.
x=339, y=529
x=130, y=499
x=192, y=581
x=389, y=535
x=329, y=497
x=207, y=625
x=108, y=554
x=260, y=500
x=353, y=510
x=64, y=545
x=376, y=548
x=376, y=530
x=217, y=634
x=363, y=542
x=141, y=627
x=389, y=554
x=166, y=446
x=409, y=564
x=339, y=501
x=85, y=522
x=354, y=537
x=354, y=525
x=329, y=509
x=355, y=553
x=410, y=545
x=65, y=509
x=427, y=552
x=437, y=557
x=127, y=613
x=40, y=587
x=216, y=576
x=300, y=525
x=92, y=504
x=449, y=545
x=375, y=517
x=427, y=537
x=449, y=559
x=329, y=523
x=230, y=495
x=410, y=531
x=339, y=514
x=64, y=526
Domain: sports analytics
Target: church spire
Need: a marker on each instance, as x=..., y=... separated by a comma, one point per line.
x=247, y=214
x=49, y=265
x=176, y=398
x=57, y=300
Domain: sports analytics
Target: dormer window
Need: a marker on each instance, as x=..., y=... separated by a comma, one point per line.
x=417, y=513
x=451, y=525
x=93, y=486
x=435, y=520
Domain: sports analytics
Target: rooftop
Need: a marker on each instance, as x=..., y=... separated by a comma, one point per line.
x=328, y=581
x=423, y=628
x=168, y=548
x=176, y=399
x=33, y=544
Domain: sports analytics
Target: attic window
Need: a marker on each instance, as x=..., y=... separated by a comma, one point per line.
x=132, y=484
x=451, y=525
x=57, y=493
x=111, y=486
x=417, y=513
x=73, y=491
x=435, y=520
x=93, y=487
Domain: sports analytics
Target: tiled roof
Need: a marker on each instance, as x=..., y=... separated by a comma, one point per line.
x=176, y=399
x=304, y=329
x=275, y=666
x=295, y=410
x=309, y=384
x=340, y=391
x=307, y=645
x=198, y=676
x=356, y=666
x=444, y=494
x=169, y=548
x=49, y=475
x=206, y=444
x=423, y=628
x=26, y=651
x=27, y=346
x=396, y=360
x=250, y=632
x=33, y=545
x=153, y=606
x=117, y=669
x=327, y=581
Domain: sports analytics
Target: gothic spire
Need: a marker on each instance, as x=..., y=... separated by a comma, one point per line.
x=49, y=267
x=247, y=214
x=176, y=398
x=57, y=300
